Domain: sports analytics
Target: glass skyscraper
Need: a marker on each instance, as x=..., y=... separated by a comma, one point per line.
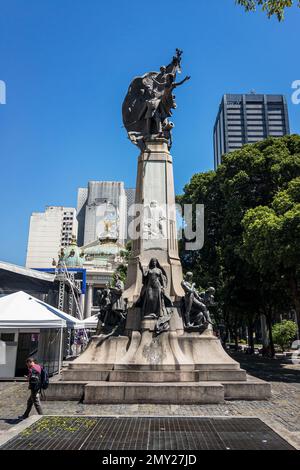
x=248, y=118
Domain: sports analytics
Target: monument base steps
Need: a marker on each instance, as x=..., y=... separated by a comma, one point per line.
x=156, y=376
x=189, y=392
x=173, y=368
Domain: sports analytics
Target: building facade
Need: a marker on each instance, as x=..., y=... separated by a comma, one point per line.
x=248, y=118
x=102, y=208
x=99, y=260
x=48, y=232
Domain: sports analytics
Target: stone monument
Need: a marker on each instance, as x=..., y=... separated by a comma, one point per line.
x=155, y=341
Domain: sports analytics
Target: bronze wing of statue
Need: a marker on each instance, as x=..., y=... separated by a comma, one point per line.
x=144, y=92
x=140, y=90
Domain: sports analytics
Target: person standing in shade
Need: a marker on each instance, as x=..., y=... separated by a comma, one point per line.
x=34, y=379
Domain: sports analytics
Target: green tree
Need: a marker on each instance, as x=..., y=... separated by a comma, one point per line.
x=271, y=239
x=256, y=175
x=284, y=333
x=271, y=7
x=122, y=268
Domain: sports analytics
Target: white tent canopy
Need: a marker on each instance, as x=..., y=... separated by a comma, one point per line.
x=90, y=322
x=20, y=310
x=72, y=322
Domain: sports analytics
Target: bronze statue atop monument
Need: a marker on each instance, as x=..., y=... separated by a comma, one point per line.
x=149, y=103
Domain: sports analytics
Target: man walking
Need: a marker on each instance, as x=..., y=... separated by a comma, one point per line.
x=34, y=379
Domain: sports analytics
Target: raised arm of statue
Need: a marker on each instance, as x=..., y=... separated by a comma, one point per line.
x=144, y=270
x=182, y=81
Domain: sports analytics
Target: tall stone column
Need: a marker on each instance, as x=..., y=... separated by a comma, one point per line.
x=88, y=301
x=155, y=184
x=82, y=304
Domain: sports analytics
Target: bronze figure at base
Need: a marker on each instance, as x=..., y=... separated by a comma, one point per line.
x=195, y=305
x=154, y=302
x=113, y=309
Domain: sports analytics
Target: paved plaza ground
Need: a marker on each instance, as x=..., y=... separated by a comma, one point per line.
x=281, y=412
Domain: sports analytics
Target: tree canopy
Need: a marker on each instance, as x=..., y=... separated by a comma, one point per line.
x=252, y=215
x=284, y=333
x=271, y=7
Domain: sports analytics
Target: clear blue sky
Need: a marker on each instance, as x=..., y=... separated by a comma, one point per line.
x=67, y=65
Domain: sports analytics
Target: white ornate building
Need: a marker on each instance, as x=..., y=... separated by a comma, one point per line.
x=102, y=202
x=100, y=259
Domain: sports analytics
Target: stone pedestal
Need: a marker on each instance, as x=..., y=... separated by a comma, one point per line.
x=173, y=368
x=155, y=182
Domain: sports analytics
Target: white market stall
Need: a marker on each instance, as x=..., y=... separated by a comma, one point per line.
x=29, y=326
x=90, y=323
x=85, y=328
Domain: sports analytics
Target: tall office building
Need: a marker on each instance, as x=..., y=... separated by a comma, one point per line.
x=101, y=208
x=245, y=119
x=48, y=232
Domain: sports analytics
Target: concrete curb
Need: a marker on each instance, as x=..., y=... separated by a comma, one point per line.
x=283, y=432
x=15, y=430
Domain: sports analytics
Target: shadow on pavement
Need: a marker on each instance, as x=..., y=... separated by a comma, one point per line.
x=11, y=420
x=271, y=370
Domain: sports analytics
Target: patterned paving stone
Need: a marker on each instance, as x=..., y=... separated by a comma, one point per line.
x=282, y=411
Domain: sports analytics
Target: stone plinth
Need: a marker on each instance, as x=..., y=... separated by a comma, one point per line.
x=206, y=352
x=175, y=392
x=154, y=393
x=170, y=368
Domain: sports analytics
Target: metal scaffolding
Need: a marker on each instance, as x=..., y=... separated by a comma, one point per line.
x=67, y=278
